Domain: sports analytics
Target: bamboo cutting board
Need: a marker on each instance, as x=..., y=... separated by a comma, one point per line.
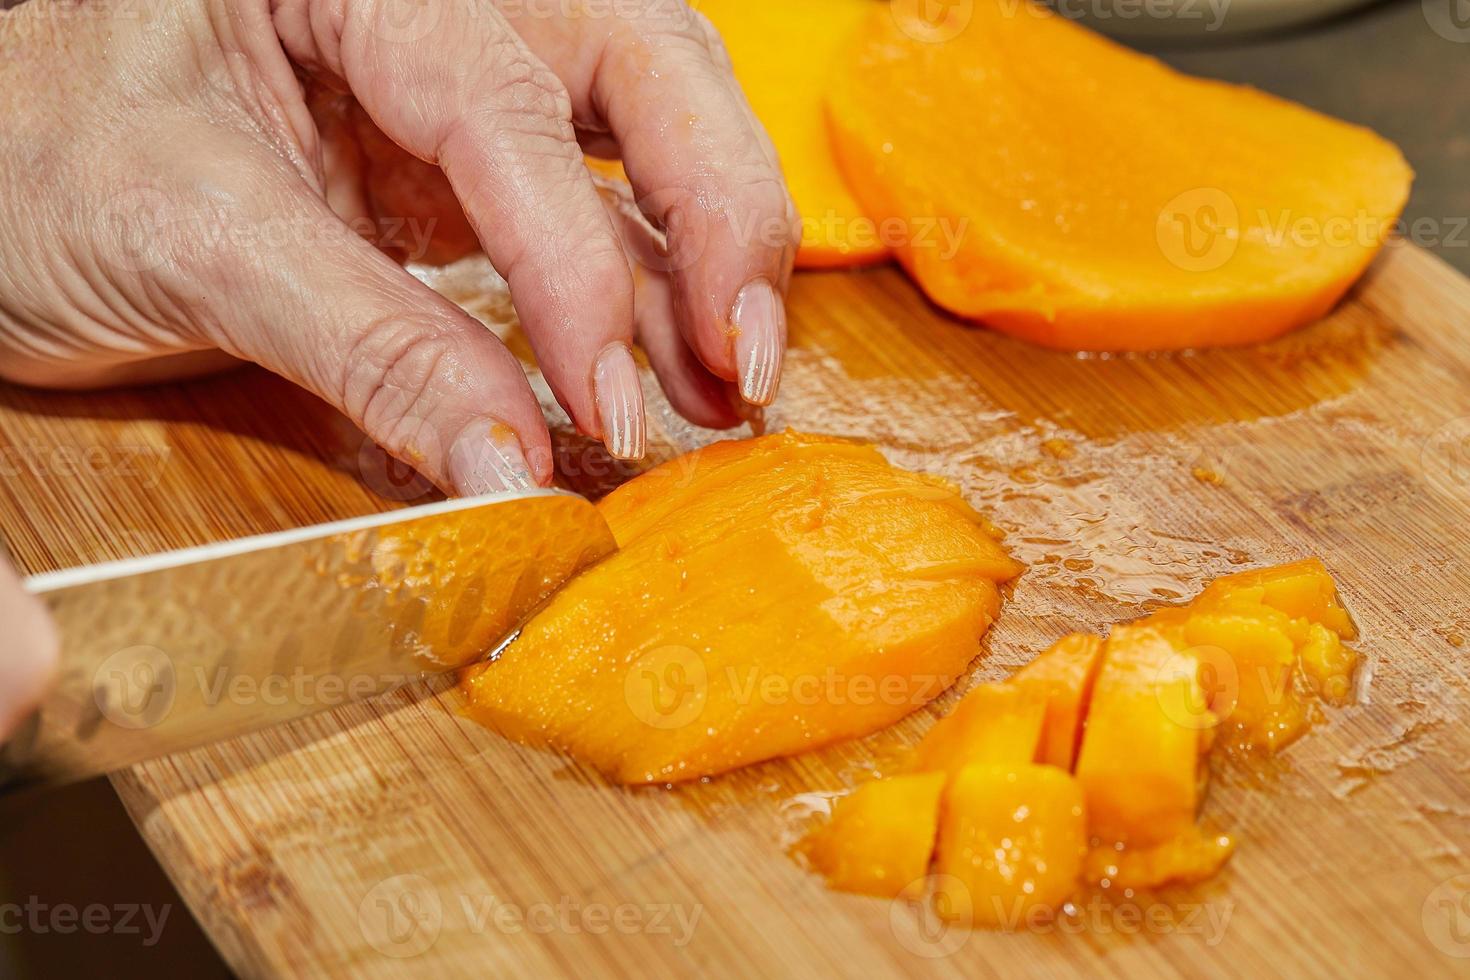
x=397, y=838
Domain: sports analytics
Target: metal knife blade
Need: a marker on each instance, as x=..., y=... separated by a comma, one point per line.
x=188, y=647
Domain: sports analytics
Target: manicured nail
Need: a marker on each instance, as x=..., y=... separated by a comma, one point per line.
x=619, y=402
x=487, y=458
x=759, y=319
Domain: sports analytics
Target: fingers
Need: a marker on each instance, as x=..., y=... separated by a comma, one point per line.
x=702, y=168
x=434, y=387
x=28, y=652
x=459, y=89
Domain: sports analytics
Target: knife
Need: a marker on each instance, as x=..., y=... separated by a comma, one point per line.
x=183, y=648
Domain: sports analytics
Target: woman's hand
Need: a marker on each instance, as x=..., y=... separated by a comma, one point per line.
x=183, y=184
x=28, y=649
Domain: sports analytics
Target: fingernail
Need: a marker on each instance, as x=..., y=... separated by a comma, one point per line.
x=487, y=458
x=759, y=319
x=619, y=402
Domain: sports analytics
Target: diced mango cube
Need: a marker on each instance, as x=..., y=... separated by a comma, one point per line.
x=880, y=838
x=1011, y=842
x=997, y=724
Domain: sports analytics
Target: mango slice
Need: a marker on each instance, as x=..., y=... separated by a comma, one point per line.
x=1139, y=765
x=1107, y=202
x=769, y=596
x=1011, y=842
x=880, y=837
x=995, y=724
x=783, y=55
x=1187, y=858
x=1267, y=640
x=1062, y=677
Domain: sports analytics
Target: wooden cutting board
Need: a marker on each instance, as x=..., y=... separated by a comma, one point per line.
x=399, y=839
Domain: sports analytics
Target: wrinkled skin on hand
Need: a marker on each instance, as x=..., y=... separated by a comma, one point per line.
x=191, y=183
x=183, y=184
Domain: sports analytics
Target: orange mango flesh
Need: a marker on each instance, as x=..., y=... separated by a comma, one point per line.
x=1144, y=704
x=995, y=724
x=769, y=596
x=783, y=54
x=1267, y=641
x=1140, y=759
x=1115, y=204
x=1011, y=841
x=880, y=838
x=1062, y=678
x=1191, y=856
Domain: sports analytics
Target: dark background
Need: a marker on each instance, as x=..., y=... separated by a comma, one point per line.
x=1382, y=66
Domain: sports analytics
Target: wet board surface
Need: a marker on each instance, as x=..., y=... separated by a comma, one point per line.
x=397, y=838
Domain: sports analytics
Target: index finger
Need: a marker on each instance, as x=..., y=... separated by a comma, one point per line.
x=703, y=170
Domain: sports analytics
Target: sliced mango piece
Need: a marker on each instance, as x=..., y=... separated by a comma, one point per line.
x=997, y=724
x=1062, y=677
x=1011, y=841
x=1191, y=856
x=1301, y=589
x=1251, y=665
x=1139, y=765
x=769, y=596
x=783, y=55
x=880, y=837
x=1113, y=204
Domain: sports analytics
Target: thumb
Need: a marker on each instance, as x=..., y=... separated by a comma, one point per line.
x=425, y=380
x=28, y=651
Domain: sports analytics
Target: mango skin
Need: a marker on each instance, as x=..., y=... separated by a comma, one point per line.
x=1011, y=844
x=769, y=596
x=880, y=837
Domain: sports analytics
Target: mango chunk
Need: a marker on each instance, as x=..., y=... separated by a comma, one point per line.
x=783, y=54
x=1062, y=677
x=1113, y=204
x=1192, y=856
x=769, y=596
x=1011, y=842
x=880, y=837
x=995, y=724
x=1251, y=664
x=1301, y=589
x=1139, y=765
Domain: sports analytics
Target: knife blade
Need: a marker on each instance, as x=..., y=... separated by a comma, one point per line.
x=184, y=648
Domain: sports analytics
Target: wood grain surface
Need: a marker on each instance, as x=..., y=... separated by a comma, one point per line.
x=397, y=838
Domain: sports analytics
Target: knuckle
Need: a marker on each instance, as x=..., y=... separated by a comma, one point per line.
x=394, y=374
x=519, y=85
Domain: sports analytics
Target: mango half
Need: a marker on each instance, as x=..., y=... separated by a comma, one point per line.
x=768, y=596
